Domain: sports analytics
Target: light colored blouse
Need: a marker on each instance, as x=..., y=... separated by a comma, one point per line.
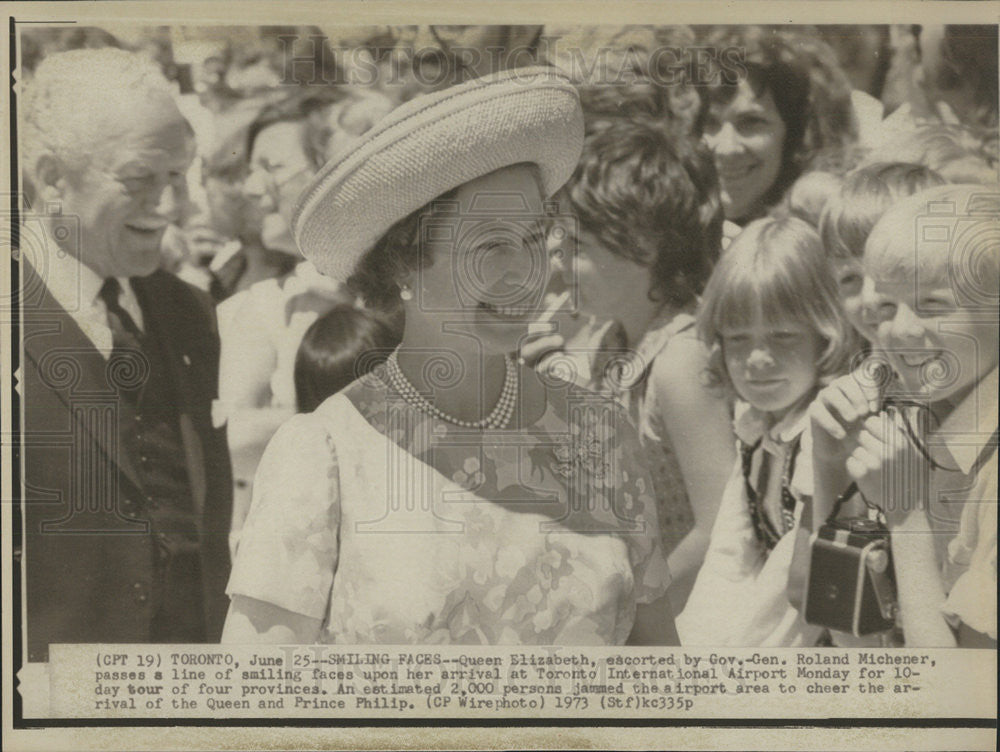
x=396, y=528
x=739, y=598
x=963, y=508
x=280, y=310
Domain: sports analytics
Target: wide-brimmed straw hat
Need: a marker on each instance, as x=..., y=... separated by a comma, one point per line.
x=430, y=145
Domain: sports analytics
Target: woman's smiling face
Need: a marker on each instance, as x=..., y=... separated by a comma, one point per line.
x=279, y=170
x=489, y=264
x=747, y=137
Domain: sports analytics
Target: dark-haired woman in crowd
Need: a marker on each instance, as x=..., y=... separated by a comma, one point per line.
x=647, y=231
x=787, y=100
x=231, y=233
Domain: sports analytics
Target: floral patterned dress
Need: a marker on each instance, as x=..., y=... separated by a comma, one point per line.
x=397, y=528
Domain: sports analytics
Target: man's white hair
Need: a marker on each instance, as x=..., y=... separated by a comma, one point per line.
x=71, y=100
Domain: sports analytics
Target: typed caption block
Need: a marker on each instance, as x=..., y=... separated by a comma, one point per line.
x=129, y=681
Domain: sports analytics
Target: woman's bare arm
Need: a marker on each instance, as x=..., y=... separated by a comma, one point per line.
x=699, y=426
x=654, y=624
x=251, y=621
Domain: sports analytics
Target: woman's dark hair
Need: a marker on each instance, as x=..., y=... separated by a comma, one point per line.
x=969, y=54
x=637, y=99
x=298, y=107
x=398, y=252
x=810, y=90
x=653, y=198
x=342, y=345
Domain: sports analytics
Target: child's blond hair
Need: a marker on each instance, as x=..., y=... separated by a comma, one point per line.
x=949, y=235
x=776, y=269
x=864, y=196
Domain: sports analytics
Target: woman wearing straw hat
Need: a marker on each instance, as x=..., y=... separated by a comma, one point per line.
x=453, y=495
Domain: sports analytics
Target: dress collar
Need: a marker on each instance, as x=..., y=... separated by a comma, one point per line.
x=750, y=424
x=667, y=322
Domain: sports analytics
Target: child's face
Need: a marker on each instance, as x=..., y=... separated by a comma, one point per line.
x=772, y=364
x=852, y=283
x=939, y=349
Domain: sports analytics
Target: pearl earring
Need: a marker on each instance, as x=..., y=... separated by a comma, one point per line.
x=405, y=292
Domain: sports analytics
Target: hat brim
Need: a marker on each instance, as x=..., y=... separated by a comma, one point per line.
x=431, y=145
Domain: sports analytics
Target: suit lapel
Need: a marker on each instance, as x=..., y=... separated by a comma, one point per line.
x=69, y=364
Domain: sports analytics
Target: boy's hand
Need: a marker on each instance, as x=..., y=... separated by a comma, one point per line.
x=837, y=414
x=890, y=471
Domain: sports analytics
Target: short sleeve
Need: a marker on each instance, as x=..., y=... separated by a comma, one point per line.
x=288, y=547
x=973, y=597
x=646, y=555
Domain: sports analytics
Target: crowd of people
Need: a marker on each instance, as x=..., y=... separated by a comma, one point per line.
x=507, y=349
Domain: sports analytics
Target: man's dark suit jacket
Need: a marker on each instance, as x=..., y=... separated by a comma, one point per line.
x=89, y=558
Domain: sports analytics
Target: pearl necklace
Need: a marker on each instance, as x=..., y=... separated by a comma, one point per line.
x=497, y=419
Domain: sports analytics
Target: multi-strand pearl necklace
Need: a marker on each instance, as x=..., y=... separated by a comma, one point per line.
x=497, y=419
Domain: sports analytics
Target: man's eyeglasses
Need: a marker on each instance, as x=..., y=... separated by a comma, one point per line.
x=272, y=178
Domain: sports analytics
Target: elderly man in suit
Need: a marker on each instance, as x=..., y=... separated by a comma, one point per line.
x=127, y=482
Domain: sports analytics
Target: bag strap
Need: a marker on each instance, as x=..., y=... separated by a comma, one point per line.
x=989, y=448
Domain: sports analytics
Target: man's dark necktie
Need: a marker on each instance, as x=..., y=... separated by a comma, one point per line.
x=129, y=366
